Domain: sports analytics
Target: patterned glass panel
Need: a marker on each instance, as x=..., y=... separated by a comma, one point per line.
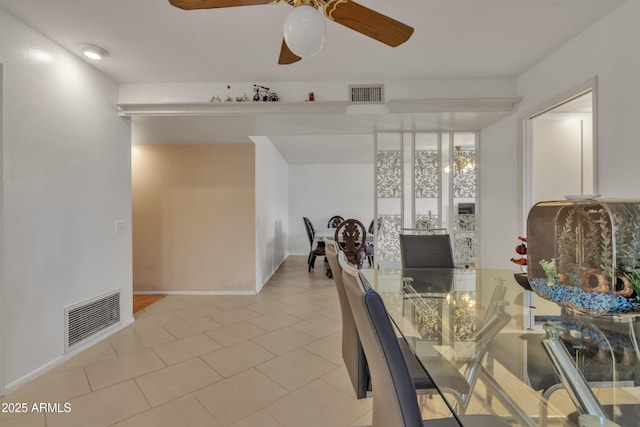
x=433, y=189
x=427, y=174
x=464, y=316
x=428, y=314
x=426, y=221
x=388, y=238
x=389, y=169
x=464, y=178
x=464, y=238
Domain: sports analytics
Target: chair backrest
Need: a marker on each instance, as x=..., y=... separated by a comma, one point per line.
x=352, y=236
x=352, y=352
x=426, y=251
x=311, y=232
x=334, y=221
x=394, y=401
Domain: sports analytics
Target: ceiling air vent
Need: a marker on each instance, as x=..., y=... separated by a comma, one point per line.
x=87, y=318
x=366, y=94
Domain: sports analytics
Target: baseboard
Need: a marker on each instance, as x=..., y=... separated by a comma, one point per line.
x=194, y=293
x=63, y=358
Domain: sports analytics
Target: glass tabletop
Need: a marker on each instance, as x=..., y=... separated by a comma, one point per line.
x=474, y=319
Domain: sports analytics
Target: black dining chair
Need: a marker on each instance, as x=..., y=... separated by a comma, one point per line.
x=352, y=237
x=313, y=252
x=352, y=353
x=426, y=251
x=395, y=401
x=334, y=221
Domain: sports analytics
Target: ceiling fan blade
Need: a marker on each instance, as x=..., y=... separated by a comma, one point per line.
x=286, y=56
x=214, y=4
x=368, y=22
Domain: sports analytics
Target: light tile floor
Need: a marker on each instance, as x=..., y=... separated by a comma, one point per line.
x=271, y=360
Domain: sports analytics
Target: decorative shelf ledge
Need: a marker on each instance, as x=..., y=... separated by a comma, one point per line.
x=448, y=105
x=232, y=108
x=463, y=105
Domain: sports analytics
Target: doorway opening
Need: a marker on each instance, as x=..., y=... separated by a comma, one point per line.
x=558, y=143
x=559, y=147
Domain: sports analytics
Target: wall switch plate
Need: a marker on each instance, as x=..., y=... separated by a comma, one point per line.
x=119, y=226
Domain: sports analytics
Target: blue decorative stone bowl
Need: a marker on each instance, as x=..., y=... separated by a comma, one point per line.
x=588, y=302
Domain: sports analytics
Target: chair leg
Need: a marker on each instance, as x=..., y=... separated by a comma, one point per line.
x=313, y=261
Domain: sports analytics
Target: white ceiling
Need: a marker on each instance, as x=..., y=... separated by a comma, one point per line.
x=150, y=41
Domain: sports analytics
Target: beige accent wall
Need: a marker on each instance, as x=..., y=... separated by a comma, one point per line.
x=193, y=218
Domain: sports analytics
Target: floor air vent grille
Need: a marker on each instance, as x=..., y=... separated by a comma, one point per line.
x=367, y=94
x=87, y=318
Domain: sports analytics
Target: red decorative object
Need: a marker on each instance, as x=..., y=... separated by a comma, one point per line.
x=521, y=249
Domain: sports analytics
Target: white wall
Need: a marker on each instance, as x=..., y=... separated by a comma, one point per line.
x=2, y=298
x=272, y=210
x=556, y=158
x=322, y=191
x=67, y=178
x=606, y=50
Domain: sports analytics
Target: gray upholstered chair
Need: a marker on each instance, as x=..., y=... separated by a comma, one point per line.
x=426, y=251
x=394, y=401
x=352, y=352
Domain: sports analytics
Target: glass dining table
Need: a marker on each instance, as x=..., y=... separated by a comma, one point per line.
x=575, y=369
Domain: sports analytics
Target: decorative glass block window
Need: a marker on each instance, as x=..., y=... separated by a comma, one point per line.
x=428, y=221
x=388, y=241
x=389, y=195
x=426, y=180
x=464, y=173
x=427, y=177
x=388, y=171
x=464, y=177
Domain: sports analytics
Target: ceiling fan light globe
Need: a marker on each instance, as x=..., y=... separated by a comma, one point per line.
x=304, y=30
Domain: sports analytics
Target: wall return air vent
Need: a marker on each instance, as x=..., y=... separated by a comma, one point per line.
x=87, y=318
x=366, y=94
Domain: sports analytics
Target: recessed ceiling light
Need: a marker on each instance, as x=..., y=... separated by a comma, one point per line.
x=94, y=52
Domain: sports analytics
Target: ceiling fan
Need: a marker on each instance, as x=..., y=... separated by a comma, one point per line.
x=345, y=12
